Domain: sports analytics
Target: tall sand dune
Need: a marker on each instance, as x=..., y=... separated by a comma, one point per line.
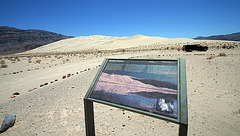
x=98, y=42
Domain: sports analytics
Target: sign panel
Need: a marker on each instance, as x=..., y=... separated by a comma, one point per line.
x=151, y=86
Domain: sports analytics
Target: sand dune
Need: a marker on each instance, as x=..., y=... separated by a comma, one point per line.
x=137, y=42
x=98, y=42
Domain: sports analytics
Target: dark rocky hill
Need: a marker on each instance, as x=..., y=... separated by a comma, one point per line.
x=228, y=37
x=158, y=83
x=13, y=40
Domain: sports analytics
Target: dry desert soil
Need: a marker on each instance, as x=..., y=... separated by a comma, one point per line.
x=52, y=87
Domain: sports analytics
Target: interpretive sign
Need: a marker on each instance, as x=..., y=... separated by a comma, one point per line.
x=152, y=87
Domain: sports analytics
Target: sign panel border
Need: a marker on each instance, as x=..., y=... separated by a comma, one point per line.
x=182, y=117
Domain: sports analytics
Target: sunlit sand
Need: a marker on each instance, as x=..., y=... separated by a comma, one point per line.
x=53, y=79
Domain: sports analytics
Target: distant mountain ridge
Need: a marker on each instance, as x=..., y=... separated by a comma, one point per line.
x=13, y=40
x=228, y=37
x=158, y=83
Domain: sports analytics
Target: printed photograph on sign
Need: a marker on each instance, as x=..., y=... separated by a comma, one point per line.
x=147, y=85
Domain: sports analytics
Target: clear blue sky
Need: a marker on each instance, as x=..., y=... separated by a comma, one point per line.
x=164, y=18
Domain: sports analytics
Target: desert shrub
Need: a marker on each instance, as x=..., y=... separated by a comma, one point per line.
x=3, y=64
x=38, y=61
x=122, y=50
x=11, y=58
x=222, y=54
x=211, y=57
x=74, y=54
x=58, y=56
x=17, y=58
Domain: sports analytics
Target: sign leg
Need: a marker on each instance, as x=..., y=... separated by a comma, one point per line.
x=183, y=128
x=89, y=118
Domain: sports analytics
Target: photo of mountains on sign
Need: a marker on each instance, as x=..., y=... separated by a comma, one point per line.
x=147, y=85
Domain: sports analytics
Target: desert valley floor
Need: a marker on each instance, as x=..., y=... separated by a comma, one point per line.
x=56, y=108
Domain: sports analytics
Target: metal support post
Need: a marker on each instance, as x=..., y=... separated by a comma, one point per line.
x=183, y=128
x=89, y=118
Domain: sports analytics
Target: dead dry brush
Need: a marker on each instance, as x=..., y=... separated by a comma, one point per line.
x=38, y=61
x=219, y=55
x=3, y=64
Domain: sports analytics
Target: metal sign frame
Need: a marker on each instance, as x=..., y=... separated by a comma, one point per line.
x=182, y=111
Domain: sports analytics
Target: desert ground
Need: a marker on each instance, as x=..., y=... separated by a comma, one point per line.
x=52, y=86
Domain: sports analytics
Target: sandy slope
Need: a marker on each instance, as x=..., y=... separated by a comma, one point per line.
x=137, y=42
x=57, y=108
x=99, y=42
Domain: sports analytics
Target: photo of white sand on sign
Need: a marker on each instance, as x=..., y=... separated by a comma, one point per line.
x=45, y=87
